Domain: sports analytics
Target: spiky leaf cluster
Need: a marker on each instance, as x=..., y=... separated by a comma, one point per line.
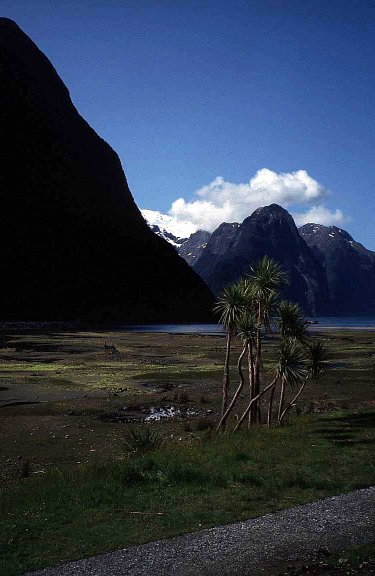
x=266, y=276
x=318, y=359
x=246, y=325
x=231, y=305
x=291, y=365
x=290, y=320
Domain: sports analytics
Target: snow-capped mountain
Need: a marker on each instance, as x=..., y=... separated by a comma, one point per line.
x=174, y=231
x=186, y=239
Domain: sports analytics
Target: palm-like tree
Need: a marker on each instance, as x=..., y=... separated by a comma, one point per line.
x=245, y=330
x=264, y=280
x=291, y=368
x=318, y=359
x=266, y=276
x=230, y=306
x=317, y=363
x=290, y=320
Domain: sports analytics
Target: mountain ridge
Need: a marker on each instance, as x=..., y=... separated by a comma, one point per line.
x=347, y=266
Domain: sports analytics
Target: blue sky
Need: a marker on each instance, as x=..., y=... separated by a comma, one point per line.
x=188, y=91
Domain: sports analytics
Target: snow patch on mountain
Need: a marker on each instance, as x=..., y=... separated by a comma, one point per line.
x=172, y=229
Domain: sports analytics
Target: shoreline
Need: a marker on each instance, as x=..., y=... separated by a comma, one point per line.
x=203, y=329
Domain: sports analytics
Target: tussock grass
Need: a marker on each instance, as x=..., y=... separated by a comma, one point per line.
x=143, y=440
x=217, y=478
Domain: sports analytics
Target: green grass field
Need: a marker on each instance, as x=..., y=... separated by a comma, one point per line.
x=214, y=479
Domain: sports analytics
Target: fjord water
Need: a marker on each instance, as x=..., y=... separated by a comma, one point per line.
x=326, y=322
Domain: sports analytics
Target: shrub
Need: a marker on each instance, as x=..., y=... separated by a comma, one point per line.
x=143, y=440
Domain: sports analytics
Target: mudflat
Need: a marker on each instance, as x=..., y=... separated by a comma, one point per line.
x=68, y=397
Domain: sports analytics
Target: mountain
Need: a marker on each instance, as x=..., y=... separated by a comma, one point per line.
x=176, y=233
x=349, y=267
x=271, y=231
x=192, y=248
x=73, y=243
x=188, y=243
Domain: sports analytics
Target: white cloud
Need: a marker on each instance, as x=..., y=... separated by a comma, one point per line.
x=320, y=215
x=223, y=201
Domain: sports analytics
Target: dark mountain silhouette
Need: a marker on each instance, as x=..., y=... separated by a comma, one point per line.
x=271, y=231
x=349, y=267
x=73, y=243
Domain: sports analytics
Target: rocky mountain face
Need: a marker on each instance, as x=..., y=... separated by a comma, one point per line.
x=188, y=244
x=192, y=248
x=176, y=241
x=73, y=243
x=271, y=231
x=349, y=268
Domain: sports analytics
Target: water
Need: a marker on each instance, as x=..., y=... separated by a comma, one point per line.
x=342, y=322
x=176, y=328
x=324, y=323
x=162, y=413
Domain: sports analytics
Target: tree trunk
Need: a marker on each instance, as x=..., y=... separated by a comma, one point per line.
x=273, y=383
x=250, y=359
x=270, y=405
x=238, y=391
x=281, y=401
x=255, y=406
x=226, y=374
x=292, y=402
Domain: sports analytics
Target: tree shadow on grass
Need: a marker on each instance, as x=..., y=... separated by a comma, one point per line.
x=348, y=429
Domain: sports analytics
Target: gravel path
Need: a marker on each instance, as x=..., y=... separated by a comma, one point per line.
x=248, y=548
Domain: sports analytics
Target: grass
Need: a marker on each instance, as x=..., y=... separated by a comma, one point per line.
x=35, y=367
x=182, y=486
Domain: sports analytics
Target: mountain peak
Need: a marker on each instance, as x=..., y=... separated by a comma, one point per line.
x=269, y=231
x=271, y=213
x=8, y=22
x=274, y=208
